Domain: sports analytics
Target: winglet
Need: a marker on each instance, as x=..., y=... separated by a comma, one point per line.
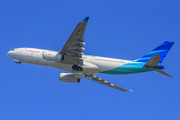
x=131, y=90
x=86, y=19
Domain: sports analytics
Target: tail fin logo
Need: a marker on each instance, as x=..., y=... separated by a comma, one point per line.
x=163, y=49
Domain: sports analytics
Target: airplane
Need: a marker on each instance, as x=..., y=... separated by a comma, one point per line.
x=71, y=59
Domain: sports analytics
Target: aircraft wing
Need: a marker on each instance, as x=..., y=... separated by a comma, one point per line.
x=74, y=45
x=102, y=81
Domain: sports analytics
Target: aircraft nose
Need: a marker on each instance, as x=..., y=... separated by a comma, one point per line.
x=9, y=53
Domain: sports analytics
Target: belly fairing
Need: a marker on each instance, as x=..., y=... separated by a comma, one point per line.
x=59, y=65
x=89, y=68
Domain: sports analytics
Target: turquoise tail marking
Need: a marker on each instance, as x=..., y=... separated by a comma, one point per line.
x=138, y=66
x=129, y=68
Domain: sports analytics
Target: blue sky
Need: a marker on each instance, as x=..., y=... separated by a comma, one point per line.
x=118, y=29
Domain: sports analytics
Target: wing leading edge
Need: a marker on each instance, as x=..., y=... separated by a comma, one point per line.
x=104, y=82
x=74, y=45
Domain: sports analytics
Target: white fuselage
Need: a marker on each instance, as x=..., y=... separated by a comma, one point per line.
x=34, y=56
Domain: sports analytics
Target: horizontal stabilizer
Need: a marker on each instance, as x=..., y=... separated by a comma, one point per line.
x=162, y=72
x=153, y=61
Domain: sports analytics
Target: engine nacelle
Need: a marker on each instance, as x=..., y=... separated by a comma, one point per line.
x=68, y=77
x=52, y=56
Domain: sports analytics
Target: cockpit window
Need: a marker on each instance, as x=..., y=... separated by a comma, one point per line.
x=13, y=49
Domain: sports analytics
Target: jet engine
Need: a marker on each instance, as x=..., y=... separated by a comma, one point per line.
x=68, y=77
x=52, y=56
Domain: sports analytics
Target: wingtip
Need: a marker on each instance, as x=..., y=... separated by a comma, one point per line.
x=86, y=19
x=131, y=90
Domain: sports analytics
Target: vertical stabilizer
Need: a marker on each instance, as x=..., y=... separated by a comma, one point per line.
x=163, y=49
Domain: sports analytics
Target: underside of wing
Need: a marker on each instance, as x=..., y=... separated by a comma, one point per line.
x=73, y=49
x=102, y=81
